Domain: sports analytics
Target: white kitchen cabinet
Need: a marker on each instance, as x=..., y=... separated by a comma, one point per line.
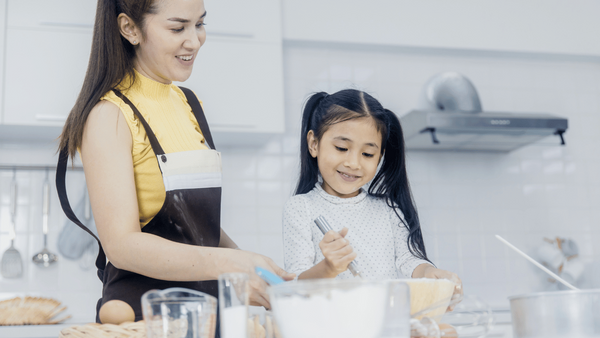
x=258, y=21
x=535, y=26
x=2, y=48
x=44, y=77
x=241, y=85
x=45, y=14
x=238, y=74
x=47, y=50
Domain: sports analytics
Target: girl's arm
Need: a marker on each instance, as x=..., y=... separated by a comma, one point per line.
x=406, y=262
x=411, y=266
x=338, y=255
x=299, y=252
x=299, y=246
x=106, y=155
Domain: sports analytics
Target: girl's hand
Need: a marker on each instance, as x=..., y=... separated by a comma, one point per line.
x=246, y=261
x=337, y=251
x=429, y=271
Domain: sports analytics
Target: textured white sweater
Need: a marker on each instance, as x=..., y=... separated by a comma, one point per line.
x=375, y=232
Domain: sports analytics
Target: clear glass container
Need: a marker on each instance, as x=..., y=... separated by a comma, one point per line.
x=329, y=308
x=179, y=313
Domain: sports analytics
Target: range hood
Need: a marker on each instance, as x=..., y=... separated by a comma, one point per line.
x=450, y=118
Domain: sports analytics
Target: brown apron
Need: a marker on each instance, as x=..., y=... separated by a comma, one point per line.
x=190, y=214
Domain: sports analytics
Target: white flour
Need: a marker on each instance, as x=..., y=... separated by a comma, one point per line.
x=357, y=313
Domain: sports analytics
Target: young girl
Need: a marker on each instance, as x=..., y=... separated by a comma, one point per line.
x=346, y=136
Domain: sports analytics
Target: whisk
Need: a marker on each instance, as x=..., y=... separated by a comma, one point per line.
x=12, y=264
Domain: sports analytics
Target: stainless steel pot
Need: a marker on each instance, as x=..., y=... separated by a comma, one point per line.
x=572, y=314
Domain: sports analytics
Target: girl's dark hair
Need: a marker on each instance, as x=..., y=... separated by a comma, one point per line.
x=391, y=181
x=111, y=60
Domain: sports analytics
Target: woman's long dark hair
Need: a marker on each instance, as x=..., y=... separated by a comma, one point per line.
x=391, y=181
x=111, y=60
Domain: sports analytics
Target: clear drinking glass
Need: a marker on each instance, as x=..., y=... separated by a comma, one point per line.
x=233, y=305
x=179, y=313
x=397, y=316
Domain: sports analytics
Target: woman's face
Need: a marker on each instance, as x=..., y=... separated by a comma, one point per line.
x=347, y=155
x=171, y=40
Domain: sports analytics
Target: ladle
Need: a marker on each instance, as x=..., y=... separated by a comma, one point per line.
x=45, y=258
x=12, y=264
x=555, y=276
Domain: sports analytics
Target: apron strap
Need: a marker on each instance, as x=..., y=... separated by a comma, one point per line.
x=158, y=150
x=63, y=159
x=61, y=188
x=199, y=113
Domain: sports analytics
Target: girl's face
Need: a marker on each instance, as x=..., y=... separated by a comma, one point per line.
x=171, y=40
x=347, y=155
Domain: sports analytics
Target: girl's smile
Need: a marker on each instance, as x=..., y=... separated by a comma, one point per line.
x=347, y=155
x=349, y=178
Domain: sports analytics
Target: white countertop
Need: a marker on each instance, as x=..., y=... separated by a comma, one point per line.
x=34, y=331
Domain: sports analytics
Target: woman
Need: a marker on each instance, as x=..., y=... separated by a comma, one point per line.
x=152, y=172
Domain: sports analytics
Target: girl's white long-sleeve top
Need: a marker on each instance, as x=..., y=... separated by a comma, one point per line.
x=375, y=233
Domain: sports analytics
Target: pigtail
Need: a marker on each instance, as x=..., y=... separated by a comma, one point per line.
x=391, y=182
x=309, y=170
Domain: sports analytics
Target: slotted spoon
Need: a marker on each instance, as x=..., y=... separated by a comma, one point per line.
x=12, y=264
x=45, y=258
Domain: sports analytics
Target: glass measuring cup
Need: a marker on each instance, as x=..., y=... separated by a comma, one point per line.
x=179, y=313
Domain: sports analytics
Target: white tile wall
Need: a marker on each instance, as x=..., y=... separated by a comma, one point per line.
x=542, y=190
x=71, y=281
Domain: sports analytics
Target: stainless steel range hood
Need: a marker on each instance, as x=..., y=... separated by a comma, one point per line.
x=450, y=118
x=434, y=130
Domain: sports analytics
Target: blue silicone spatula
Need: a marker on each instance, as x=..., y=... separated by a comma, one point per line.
x=268, y=276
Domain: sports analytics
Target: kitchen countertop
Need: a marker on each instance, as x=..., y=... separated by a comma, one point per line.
x=83, y=313
x=502, y=328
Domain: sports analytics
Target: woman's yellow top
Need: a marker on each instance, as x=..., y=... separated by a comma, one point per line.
x=165, y=109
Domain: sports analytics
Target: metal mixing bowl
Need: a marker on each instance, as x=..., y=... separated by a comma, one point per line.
x=572, y=314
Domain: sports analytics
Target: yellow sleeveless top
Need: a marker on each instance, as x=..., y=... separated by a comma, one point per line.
x=165, y=109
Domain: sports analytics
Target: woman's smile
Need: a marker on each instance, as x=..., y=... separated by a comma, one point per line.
x=185, y=58
x=187, y=61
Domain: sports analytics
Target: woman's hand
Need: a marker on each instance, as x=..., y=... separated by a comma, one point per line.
x=246, y=262
x=337, y=251
x=429, y=271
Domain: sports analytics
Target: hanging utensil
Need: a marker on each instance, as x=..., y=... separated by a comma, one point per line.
x=89, y=254
x=45, y=258
x=555, y=276
x=12, y=264
x=73, y=242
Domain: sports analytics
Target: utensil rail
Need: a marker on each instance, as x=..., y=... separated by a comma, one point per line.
x=36, y=167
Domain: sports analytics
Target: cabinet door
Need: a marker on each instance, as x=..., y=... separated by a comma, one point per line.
x=241, y=85
x=2, y=47
x=51, y=13
x=258, y=21
x=44, y=73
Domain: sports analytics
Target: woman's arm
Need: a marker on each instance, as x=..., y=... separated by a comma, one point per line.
x=106, y=156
